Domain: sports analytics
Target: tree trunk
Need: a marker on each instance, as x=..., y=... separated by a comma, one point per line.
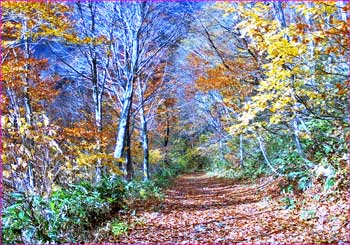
x=296, y=137
x=280, y=14
x=263, y=151
x=145, y=145
x=127, y=98
x=97, y=98
x=166, y=138
x=144, y=132
x=27, y=103
x=123, y=123
x=128, y=159
x=241, y=151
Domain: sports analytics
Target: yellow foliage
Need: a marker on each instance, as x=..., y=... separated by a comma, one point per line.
x=155, y=156
x=88, y=160
x=275, y=119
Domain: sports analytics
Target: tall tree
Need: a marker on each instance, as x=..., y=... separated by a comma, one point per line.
x=147, y=30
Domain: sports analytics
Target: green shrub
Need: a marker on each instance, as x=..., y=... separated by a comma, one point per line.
x=24, y=221
x=119, y=228
x=165, y=176
x=289, y=202
x=67, y=215
x=142, y=190
x=82, y=204
x=251, y=169
x=112, y=189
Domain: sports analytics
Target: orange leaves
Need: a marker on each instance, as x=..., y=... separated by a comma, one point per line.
x=23, y=76
x=318, y=39
x=10, y=31
x=23, y=23
x=301, y=27
x=170, y=102
x=342, y=89
x=232, y=83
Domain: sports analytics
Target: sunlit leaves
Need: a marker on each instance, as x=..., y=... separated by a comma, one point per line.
x=288, y=57
x=35, y=20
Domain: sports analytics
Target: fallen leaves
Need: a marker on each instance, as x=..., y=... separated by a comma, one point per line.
x=199, y=209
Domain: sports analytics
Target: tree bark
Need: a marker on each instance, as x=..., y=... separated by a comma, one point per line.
x=241, y=151
x=166, y=139
x=144, y=131
x=124, y=121
x=130, y=70
x=296, y=137
x=145, y=145
x=97, y=98
x=128, y=159
x=263, y=151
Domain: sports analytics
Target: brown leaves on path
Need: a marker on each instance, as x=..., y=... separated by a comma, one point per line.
x=201, y=209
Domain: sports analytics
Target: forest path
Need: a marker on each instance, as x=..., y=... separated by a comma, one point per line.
x=202, y=209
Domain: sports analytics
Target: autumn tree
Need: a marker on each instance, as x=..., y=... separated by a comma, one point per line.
x=297, y=91
x=32, y=157
x=89, y=49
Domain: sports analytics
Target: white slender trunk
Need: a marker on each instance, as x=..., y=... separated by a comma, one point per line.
x=123, y=121
x=296, y=137
x=263, y=151
x=145, y=145
x=144, y=132
x=97, y=98
x=98, y=123
x=27, y=105
x=241, y=151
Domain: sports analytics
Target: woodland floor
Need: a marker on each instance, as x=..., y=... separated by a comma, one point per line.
x=202, y=209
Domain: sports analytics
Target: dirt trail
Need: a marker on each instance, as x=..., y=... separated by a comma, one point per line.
x=201, y=209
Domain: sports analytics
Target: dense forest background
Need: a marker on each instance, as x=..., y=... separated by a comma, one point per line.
x=104, y=102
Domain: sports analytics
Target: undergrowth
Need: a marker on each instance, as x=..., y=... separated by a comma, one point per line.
x=72, y=214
